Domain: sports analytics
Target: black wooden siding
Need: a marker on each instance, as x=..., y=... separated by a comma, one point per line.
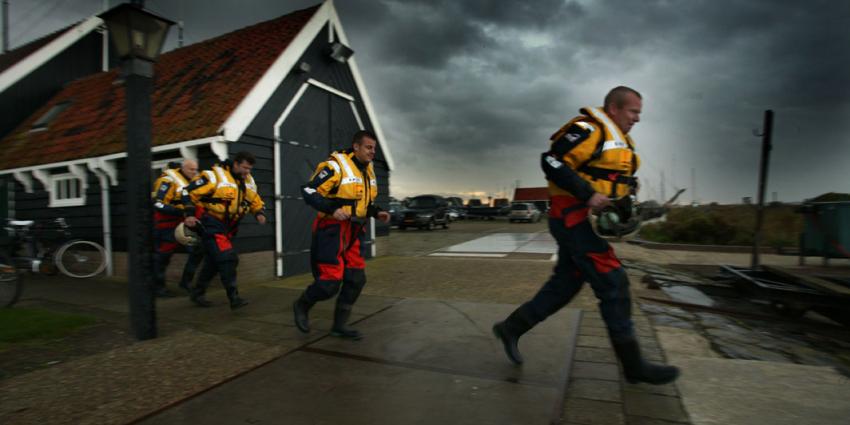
x=253, y=237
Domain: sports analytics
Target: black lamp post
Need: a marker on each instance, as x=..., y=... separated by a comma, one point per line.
x=766, y=146
x=138, y=36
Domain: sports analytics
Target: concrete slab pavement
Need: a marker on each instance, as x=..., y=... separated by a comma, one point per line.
x=422, y=362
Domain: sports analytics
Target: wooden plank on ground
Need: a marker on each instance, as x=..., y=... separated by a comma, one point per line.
x=811, y=281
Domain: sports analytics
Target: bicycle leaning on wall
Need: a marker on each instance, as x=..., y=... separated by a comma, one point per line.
x=44, y=247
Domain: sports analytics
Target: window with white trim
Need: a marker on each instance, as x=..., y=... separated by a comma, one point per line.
x=67, y=191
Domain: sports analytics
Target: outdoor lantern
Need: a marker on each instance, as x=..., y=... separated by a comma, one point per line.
x=136, y=32
x=138, y=36
x=340, y=52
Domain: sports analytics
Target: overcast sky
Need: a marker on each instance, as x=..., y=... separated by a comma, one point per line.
x=468, y=92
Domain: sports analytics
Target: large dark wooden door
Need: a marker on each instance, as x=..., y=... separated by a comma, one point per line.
x=319, y=123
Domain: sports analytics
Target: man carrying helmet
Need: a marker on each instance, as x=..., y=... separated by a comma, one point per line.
x=343, y=191
x=215, y=203
x=168, y=213
x=590, y=167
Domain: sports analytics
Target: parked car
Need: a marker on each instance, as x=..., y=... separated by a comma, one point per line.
x=456, y=213
x=425, y=212
x=524, y=212
x=501, y=202
x=487, y=212
x=395, y=213
x=456, y=210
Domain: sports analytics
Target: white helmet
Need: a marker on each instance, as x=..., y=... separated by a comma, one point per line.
x=186, y=236
x=619, y=221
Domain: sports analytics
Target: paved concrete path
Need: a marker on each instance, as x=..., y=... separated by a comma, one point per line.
x=421, y=362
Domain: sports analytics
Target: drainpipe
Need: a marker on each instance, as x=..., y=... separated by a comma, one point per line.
x=104, y=57
x=278, y=213
x=102, y=170
x=107, y=220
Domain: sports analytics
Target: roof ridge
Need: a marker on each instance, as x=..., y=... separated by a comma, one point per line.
x=114, y=70
x=238, y=30
x=18, y=54
x=50, y=34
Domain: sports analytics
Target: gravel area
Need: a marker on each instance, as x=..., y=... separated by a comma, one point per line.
x=117, y=386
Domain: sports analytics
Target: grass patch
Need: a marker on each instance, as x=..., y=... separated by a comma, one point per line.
x=727, y=225
x=20, y=325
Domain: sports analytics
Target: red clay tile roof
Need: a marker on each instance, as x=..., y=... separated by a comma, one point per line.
x=197, y=87
x=531, y=194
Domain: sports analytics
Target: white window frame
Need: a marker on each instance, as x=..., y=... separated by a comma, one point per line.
x=57, y=191
x=50, y=181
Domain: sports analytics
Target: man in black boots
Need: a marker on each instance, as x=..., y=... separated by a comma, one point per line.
x=343, y=189
x=591, y=162
x=215, y=203
x=167, y=214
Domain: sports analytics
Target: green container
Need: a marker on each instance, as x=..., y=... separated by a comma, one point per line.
x=827, y=224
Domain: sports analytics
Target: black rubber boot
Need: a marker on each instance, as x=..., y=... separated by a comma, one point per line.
x=197, y=292
x=638, y=370
x=301, y=307
x=196, y=256
x=199, y=299
x=236, y=301
x=185, y=286
x=340, y=328
x=164, y=292
x=509, y=331
x=160, y=264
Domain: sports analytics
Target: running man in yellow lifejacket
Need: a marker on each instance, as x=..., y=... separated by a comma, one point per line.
x=167, y=214
x=215, y=202
x=343, y=190
x=591, y=161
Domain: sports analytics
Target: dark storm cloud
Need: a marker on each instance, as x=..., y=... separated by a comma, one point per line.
x=451, y=68
x=707, y=68
x=429, y=33
x=468, y=92
x=794, y=53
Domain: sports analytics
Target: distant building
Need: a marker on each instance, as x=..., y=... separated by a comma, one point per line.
x=536, y=195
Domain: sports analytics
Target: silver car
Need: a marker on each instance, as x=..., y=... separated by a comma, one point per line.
x=524, y=212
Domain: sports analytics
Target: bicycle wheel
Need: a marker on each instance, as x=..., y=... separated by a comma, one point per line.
x=10, y=283
x=80, y=259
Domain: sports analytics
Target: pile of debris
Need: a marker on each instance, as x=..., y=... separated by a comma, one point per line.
x=775, y=314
